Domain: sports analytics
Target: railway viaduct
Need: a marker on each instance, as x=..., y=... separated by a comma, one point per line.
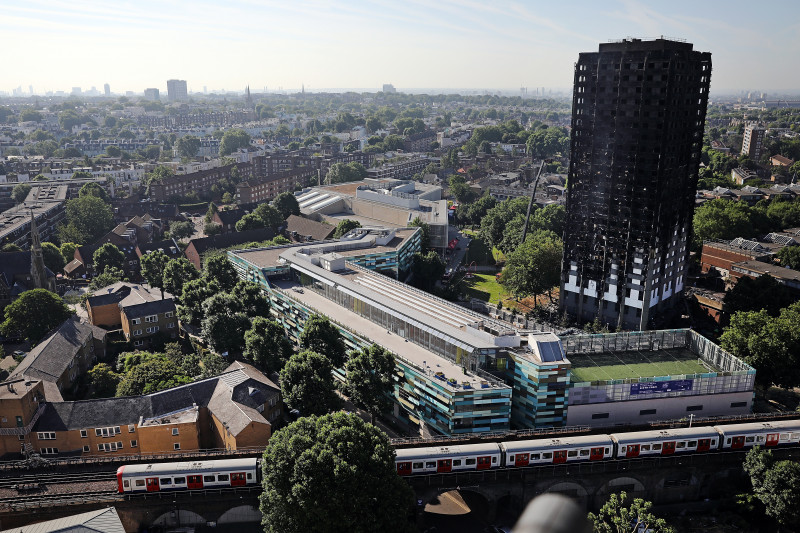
x=663, y=480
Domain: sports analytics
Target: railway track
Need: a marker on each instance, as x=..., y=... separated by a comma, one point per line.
x=38, y=500
x=55, y=478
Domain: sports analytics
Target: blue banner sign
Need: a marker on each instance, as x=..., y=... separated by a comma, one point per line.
x=654, y=387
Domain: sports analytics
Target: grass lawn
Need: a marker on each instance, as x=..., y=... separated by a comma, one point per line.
x=601, y=367
x=484, y=287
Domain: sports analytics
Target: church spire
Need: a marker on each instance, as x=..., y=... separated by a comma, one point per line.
x=38, y=273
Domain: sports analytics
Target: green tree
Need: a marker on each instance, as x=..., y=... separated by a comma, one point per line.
x=722, y=219
x=425, y=237
x=266, y=345
x=68, y=251
x=34, y=314
x=332, y=473
x=212, y=229
x=194, y=293
x=790, y=257
x=343, y=227
x=107, y=277
x=88, y=218
x=776, y=484
x=427, y=269
x=10, y=247
x=345, y=172
x=94, y=189
x=212, y=210
x=621, y=515
x=249, y=222
x=188, y=146
x=250, y=299
x=763, y=292
x=307, y=384
x=224, y=324
x=218, y=268
x=153, y=375
x=270, y=216
x=535, y=266
x=30, y=115
x=233, y=140
x=20, y=192
x=113, y=151
x=370, y=380
x=286, y=204
x=769, y=344
x=52, y=257
x=181, y=230
x=152, y=266
x=176, y=274
x=493, y=225
x=103, y=381
x=108, y=255
x=321, y=336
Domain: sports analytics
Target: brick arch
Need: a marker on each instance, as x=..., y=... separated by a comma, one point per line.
x=181, y=517
x=242, y=513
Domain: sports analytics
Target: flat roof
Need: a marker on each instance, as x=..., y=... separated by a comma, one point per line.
x=414, y=353
x=605, y=366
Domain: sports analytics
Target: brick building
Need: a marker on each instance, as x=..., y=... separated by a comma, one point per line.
x=720, y=255
x=233, y=410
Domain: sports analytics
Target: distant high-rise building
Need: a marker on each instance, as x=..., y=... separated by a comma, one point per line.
x=176, y=90
x=389, y=88
x=638, y=113
x=30, y=90
x=753, y=141
x=107, y=90
x=151, y=94
x=76, y=91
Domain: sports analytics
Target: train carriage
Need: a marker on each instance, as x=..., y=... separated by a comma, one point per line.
x=768, y=434
x=665, y=442
x=157, y=477
x=561, y=450
x=443, y=459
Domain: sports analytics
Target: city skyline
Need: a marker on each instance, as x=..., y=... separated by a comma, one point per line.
x=336, y=45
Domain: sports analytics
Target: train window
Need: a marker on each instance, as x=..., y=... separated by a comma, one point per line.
x=795, y=436
x=139, y=483
x=165, y=481
x=456, y=462
x=534, y=457
x=584, y=453
x=470, y=461
x=729, y=441
x=180, y=481
x=784, y=436
x=608, y=450
x=714, y=442
x=645, y=447
x=692, y=443
x=622, y=448
x=572, y=453
x=656, y=447
x=249, y=475
x=222, y=477
x=494, y=459
x=416, y=465
x=760, y=438
x=511, y=458
x=681, y=444
x=750, y=439
x=209, y=479
x=430, y=464
x=547, y=455
x=126, y=483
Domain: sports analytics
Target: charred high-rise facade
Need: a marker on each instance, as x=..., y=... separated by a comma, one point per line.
x=638, y=113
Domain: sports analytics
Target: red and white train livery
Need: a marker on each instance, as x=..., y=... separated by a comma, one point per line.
x=157, y=477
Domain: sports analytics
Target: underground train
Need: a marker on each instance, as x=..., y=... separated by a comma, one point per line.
x=620, y=446
x=484, y=456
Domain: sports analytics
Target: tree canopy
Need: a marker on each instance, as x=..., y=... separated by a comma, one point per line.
x=621, y=515
x=321, y=336
x=188, y=146
x=535, y=266
x=52, y=257
x=330, y=474
x=176, y=274
x=94, y=189
x=34, y=314
x=152, y=268
x=427, y=269
x=88, y=218
x=344, y=172
x=763, y=292
x=181, y=230
x=108, y=255
x=370, y=379
x=307, y=384
x=286, y=203
x=233, y=140
x=266, y=346
x=218, y=268
x=776, y=484
x=20, y=192
x=771, y=345
x=343, y=227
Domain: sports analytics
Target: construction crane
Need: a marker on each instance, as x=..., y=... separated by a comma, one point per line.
x=530, y=203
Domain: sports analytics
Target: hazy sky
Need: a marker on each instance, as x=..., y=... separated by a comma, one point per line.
x=58, y=44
